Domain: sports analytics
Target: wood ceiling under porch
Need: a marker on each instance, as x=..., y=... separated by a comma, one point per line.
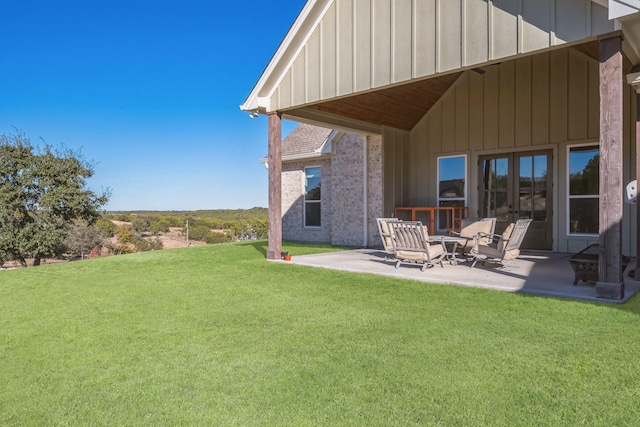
x=403, y=106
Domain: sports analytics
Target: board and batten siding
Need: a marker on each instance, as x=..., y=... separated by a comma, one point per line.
x=545, y=101
x=360, y=45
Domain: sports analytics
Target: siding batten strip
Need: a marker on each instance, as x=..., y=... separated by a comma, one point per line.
x=552, y=24
x=437, y=36
x=490, y=34
x=610, y=284
x=463, y=33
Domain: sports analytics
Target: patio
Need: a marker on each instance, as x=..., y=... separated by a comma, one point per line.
x=537, y=273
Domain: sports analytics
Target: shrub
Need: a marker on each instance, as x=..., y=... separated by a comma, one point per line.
x=198, y=232
x=140, y=225
x=96, y=252
x=106, y=227
x=215, y=237
x=82, y=238
x=125, y=234
x=118, y=249
x=159, y=226
x=144, y=245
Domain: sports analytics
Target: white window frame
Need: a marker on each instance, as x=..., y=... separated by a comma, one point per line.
x=305, y=201
x=569, y=197
x=466, y=184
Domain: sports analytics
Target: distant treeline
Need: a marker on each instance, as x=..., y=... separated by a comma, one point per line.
x=219, y=215
x=237, y=224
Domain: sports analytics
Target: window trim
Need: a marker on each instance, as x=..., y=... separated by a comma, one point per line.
x=466, y=183
x=305, y=201
x=569, y=197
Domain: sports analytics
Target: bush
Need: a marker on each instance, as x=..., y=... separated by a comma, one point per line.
x=252, y=230
x=199, y=232
x=214, y=237
x=82, y=238
x=140, y=225
x=144, y=245
x=106, y=227
x=159, y=226
x=125, y=234
x=118, y=249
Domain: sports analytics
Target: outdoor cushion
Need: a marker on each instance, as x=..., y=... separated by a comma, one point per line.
x=506, y=234
x=386, y=235
x=434, y=251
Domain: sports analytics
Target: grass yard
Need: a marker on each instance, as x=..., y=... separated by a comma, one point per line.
x=216, y=335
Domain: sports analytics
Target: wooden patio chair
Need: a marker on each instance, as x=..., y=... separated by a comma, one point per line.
x=469, y=229
x=385, y=234
x=411, y=245
x=503, y=248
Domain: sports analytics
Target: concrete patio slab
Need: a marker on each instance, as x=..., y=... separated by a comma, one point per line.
x=538, y=273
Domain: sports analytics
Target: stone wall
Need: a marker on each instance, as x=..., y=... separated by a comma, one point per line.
x=293, y=228
x=342, y=194
x=375, y=196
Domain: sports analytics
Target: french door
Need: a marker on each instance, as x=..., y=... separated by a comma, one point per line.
x=519, y=185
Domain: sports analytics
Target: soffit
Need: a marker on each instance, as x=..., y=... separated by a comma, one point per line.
x=400, y=107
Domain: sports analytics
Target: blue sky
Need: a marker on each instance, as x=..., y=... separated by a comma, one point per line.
x=149, y=91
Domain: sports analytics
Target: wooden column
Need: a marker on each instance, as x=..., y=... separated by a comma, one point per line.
x=610, y=284
x=634, y=80
x=274, y=159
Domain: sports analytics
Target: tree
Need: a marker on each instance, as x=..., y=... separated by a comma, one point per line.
x=82, y=238
x=42, y=192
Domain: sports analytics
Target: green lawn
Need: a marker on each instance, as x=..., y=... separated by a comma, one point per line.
x=216, y=335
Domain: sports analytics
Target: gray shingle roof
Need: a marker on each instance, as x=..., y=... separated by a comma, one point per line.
x=305, y=139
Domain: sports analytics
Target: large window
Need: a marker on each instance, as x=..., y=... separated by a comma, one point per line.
x=584, y=183
x=312, y=197
x=452, y=190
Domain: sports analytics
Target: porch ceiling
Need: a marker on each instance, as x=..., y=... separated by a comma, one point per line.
x=399, y=107
x=403, y=106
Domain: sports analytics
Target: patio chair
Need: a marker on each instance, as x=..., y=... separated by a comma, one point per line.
x=469, y=229
x=385, y=234
x=504, y=248
x=411, y=245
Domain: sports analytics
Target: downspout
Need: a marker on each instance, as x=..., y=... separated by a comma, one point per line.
x=365, y=192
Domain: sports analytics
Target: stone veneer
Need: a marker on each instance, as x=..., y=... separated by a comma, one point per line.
x=293, y=202
x=342, y=194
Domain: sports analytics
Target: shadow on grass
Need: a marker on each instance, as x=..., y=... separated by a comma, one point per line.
x=258, y=245
x=294, y=248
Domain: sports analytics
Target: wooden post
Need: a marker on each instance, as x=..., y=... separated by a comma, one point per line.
x=636, y=275
x=274, y=160
x=610, y=283
x=634, y=80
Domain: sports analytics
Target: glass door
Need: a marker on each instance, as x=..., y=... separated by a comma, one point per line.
x=519, y=185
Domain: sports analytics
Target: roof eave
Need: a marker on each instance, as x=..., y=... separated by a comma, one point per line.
x=298, y=157
x=295, y=40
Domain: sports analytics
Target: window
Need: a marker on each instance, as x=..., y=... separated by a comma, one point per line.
x=312, y=198
x=584, y=184
x=452, y=179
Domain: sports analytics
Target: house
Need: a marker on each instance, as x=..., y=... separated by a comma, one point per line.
x=531, y=103
x=329, y=185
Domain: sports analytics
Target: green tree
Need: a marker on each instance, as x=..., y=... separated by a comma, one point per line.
x=42, y=192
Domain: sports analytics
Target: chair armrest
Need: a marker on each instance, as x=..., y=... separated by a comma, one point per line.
x=492, y=238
